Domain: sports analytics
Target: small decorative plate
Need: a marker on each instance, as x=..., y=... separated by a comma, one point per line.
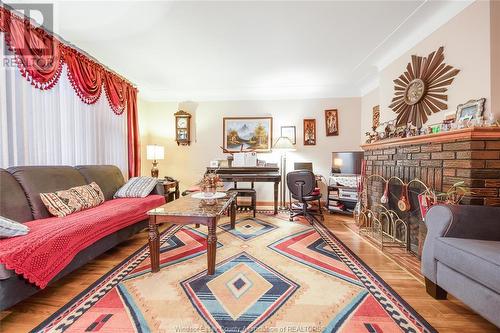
x=201, y=195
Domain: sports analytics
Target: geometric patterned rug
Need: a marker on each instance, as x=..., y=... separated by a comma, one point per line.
x=272, y=275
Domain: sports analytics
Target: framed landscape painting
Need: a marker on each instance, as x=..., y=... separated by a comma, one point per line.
x=248, y=133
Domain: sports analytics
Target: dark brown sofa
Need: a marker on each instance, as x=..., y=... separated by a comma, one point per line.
x=20, y=201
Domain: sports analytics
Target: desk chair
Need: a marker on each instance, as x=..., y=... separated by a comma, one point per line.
x=302, y=187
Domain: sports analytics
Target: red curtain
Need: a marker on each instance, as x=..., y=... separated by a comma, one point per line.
x=85, y=75
x=134, y=154
x=40, y=56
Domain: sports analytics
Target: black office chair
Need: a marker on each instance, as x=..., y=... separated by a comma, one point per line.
x=302, y=187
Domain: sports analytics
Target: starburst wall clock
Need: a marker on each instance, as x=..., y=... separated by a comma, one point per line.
x=420, y=90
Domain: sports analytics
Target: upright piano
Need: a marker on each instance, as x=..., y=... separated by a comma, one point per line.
x=251, y=175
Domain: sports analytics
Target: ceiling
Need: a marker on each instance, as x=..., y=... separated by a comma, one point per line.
x=208, y=50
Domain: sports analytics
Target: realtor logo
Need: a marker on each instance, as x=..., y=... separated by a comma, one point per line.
x=42, y=14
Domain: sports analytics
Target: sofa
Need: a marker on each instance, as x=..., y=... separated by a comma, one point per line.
x=56, y=246
x=461, y=256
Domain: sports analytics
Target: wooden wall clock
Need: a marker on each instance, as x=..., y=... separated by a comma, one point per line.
x=182, y=128
x=420, y=90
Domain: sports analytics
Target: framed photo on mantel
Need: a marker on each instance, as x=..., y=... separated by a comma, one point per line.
x=309, y=132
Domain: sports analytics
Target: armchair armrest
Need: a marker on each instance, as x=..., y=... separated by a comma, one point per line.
x=473, y=222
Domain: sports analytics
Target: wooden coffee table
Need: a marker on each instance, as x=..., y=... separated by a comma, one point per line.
x=188, y=210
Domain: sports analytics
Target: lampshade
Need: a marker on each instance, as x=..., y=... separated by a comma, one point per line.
x=155, y=152
x=284, y=144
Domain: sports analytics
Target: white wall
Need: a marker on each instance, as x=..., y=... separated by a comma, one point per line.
x=466, y=41
x=368, y=101
x=495, y=57
x=188, y=163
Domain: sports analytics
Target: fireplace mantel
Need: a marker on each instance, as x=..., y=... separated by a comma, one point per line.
x=472, y=133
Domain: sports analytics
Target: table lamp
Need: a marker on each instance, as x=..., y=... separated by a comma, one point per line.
x=283, y=144
x=154, y=153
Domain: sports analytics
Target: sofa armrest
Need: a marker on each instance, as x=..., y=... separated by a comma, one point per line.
x=472, y=222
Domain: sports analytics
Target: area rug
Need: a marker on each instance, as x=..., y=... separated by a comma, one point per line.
x=272, y=275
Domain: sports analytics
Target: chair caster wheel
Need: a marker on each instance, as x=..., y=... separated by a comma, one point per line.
x=290, y=219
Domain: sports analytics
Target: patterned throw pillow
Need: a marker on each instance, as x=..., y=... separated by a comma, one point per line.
x=62, y=203
x=9, y=228
x=137, y=187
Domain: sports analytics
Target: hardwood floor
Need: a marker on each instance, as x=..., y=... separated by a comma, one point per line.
x=446, y=316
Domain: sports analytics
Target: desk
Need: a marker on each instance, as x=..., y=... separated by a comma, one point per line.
x=188, y=210
x=251, y=175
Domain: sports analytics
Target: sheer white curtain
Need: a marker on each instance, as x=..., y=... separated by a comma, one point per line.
x=54, y=127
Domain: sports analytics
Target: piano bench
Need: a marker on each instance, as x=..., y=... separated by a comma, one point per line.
x=246, y=192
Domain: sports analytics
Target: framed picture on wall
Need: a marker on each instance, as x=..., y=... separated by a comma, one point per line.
x=376, y=117
x=289, y=132
x=309, y=132
x=332, y=122
x=247, y=133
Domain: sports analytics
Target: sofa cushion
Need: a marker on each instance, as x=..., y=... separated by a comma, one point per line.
x=42, y=179
x=477, y=259
x=137, y=187
x=10, y=228
x=75, y=199
x=13, y=202
x=108, y=177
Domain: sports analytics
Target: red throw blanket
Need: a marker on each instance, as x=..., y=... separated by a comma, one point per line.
x=52, y=243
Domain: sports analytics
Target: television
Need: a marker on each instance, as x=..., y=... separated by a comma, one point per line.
x=347, y=162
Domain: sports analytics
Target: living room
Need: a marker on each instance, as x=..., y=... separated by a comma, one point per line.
x=239, y=166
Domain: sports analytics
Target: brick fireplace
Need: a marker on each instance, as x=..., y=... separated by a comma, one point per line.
x=439, y=160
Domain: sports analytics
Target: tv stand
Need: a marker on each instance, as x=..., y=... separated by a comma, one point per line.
x=342, y=195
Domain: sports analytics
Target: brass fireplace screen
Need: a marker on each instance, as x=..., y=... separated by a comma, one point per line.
x=391, y=212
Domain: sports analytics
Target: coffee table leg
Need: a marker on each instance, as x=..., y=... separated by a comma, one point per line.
x=154, y=244
x=211, y=246
x=233, y=214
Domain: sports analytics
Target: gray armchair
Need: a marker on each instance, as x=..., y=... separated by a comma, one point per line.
x=461, y=255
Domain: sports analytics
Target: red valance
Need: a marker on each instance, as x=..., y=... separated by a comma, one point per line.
x=40, y=56
x=116, y=90
x=85, y=75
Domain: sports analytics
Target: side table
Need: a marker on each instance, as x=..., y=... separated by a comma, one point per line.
x=171, y=189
